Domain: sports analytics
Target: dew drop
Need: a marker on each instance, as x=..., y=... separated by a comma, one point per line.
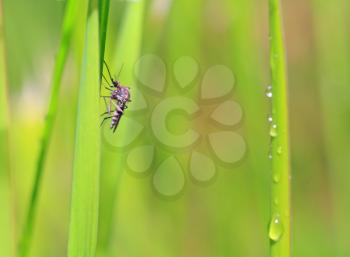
x=268, y=92
x=270, y=155
x=279, y=150
x=276, y=228
x=273, y=130
x=276, y=178
x=269, y=119
x=275, y=201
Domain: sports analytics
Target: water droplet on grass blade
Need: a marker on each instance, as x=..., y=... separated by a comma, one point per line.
x=276, y=178
x=269, y=119
x=268, y=92
x=276, y=228
x=273, y=130
x=279, y=150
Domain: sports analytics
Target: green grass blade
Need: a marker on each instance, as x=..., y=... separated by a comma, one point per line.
x=279, y=231
x=71, y=13
x=334, y=78
x=85, y=185
x=103, y=20
x=244, y=51
x=129, y=41
x=127, y=53
x=6, y=222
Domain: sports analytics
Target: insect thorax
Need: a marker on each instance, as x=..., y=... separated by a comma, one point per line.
x=121, y=94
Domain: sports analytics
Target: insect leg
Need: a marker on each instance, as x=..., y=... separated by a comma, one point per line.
x=104, y=113
x=109, y=89
x=120, y=71
x=104, y=119
x=105, y=78
x=108, y=107
x=104, y=99
x=109, y=73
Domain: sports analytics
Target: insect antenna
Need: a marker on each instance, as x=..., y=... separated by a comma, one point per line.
x=104, y=86
x=105, y=78
x=109, y=73
x=120, y=71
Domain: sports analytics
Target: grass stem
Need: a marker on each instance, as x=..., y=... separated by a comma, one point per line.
x=332, y=62
x=86, y=170
x=72, y=11
x=7, y=230
x=128, y=47
x=279, y=231
x=103, y=20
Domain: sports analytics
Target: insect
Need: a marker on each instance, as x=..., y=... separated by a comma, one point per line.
x=118, y=99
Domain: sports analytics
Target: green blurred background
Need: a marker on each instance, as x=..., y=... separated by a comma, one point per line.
x=230, y=216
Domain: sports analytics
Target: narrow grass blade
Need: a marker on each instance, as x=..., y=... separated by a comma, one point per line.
x=279, y=230
x=127, y=52
x=72, y=11
x=333, y=50
x=250, y=92
x=85, y=186
x=6, y=215
x=129, y=41
x=103, y=9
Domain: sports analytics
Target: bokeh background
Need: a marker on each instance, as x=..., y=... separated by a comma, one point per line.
x=230, y=216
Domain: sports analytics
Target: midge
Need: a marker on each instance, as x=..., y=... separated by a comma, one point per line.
x=118, y=100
